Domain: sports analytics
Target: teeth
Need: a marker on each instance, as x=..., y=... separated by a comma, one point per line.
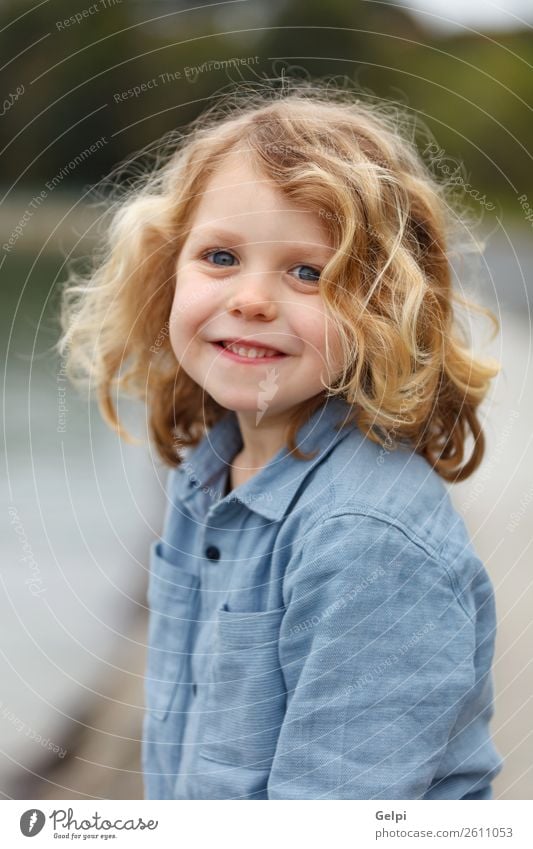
x=251, y=353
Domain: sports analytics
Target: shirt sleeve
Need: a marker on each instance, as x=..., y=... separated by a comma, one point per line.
x=377, y=652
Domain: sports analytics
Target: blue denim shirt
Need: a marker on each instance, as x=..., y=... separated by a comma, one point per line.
x=324, y=631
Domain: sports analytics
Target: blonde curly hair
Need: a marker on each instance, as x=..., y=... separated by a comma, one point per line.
x=408, y=370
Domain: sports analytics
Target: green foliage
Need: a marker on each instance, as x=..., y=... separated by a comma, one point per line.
x=116, y=74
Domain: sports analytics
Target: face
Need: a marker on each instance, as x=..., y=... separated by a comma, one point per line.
x=248, y=271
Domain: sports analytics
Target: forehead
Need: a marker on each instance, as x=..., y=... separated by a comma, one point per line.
x=241, y=196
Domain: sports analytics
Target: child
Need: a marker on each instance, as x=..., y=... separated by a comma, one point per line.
x=279, y=291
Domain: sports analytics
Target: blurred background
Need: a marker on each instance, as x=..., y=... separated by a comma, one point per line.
x=84, y=85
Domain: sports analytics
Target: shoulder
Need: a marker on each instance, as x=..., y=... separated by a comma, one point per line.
x=369, y=569
x=386, y=514
x=398, y=488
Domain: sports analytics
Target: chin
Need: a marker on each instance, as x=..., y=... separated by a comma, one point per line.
x=249, y=406
x=238, y=406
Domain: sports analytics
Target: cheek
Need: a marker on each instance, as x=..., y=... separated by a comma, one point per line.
x=317, y=328
x=191, y=306
x=335, y=347
x=331, y=356
x=182, y=321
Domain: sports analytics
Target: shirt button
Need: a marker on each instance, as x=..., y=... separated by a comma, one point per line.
x=212, y=552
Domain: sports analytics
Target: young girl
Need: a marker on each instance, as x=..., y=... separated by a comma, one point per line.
x=279, y=291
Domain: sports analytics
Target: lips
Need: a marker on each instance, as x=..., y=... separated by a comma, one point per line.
x=251, y=358
x=249, y=343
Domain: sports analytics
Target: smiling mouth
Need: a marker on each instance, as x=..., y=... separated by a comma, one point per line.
x=250, y=353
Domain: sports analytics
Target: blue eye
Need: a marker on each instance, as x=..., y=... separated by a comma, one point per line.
x=227, y=257
x=312, y=275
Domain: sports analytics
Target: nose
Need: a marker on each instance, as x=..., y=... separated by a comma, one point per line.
x=254, y=296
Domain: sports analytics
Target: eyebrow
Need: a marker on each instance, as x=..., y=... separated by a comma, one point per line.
x=216, y=235
x=230, y=237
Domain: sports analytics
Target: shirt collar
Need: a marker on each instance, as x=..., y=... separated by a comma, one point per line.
x=271, y=490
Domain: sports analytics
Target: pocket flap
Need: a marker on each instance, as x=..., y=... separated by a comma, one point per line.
x=241, y=630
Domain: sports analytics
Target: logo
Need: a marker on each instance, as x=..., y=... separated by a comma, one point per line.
x=31, y=822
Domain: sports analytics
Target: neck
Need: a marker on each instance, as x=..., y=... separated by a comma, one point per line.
x=260, y=442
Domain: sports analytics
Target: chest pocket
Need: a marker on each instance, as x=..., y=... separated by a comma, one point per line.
x=246, y=699
x=173, y=602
